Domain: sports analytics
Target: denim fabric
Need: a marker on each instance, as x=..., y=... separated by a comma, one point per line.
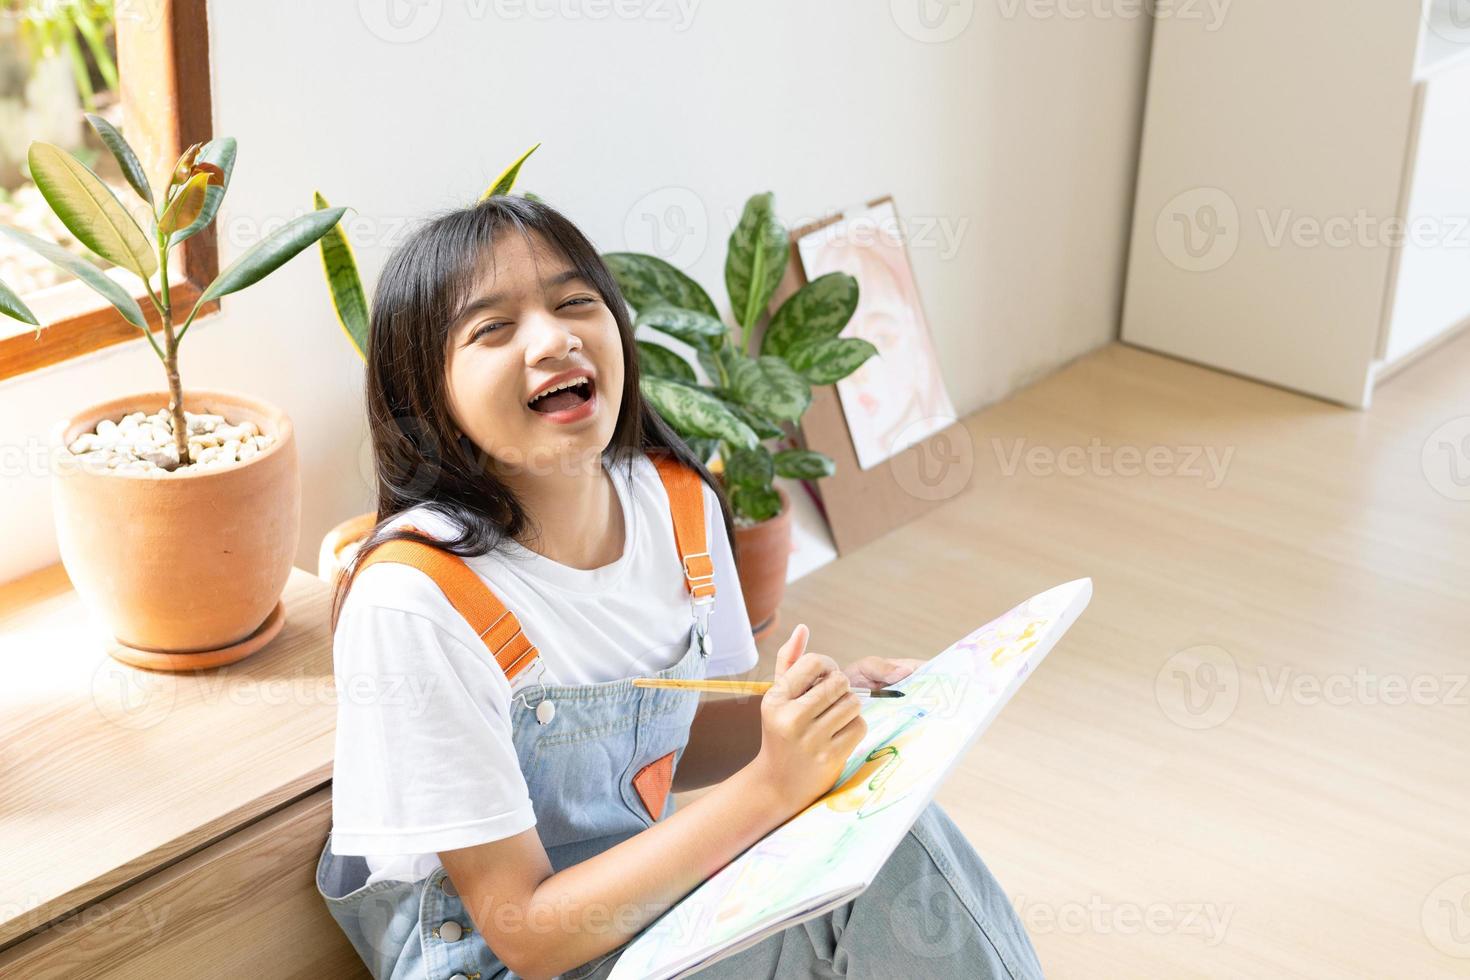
x=579, y=769
x=933, y=910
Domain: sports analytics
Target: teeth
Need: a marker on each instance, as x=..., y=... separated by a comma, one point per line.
x=566, y=384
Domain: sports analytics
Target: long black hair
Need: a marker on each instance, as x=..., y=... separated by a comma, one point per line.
x=419, y=456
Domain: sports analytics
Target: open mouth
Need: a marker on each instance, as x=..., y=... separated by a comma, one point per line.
x=563, y=397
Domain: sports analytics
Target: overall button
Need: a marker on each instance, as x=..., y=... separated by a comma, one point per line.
x=450, y=931
x=545, y=711
x=447, y=887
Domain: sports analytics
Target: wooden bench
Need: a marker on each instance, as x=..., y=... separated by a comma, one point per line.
x=158, y=825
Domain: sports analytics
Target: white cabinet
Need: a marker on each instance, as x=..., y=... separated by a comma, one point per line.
x=1431, y=287
x=1303, y=206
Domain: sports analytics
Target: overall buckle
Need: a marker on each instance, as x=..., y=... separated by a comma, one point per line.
x=700, y=608
x=700, y=605
x=696, y=581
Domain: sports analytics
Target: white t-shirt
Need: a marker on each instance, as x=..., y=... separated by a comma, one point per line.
x=424, y=756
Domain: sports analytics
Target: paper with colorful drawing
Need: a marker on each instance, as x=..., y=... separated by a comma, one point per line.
x=828, y=853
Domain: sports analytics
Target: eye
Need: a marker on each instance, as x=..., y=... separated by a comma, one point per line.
x=579, y=300
x=485, y=328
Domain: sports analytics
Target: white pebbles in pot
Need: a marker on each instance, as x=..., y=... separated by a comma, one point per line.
x=142, y=443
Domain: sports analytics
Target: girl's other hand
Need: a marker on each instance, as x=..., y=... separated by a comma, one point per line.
x=810, y=724
x=875, y=672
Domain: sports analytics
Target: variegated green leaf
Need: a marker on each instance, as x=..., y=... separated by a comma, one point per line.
x=803, y=464
x=11, y=306
x=349, y=299
x=220, y=154
x=824, y=362
x=647, y=280
x=757, y=505
x=816, y=311
x=704, y=449
x=507, y=178
x=272, y=252
x=88, y=273
x=699, y=330
x=127, y=160
x=719, y=364
x=762, y=427
x=90, y=210
x=660, y=362
x=694, y=412
x=756, y=260
x=768, y=385
x=751, y=469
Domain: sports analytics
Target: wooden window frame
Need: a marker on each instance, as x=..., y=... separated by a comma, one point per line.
x=163, y=76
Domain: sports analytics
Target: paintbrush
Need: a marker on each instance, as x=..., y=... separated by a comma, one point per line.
x=747, y=687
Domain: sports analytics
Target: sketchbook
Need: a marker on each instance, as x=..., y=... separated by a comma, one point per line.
x=828, y=853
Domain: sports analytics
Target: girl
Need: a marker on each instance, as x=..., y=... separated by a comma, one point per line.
x=501, y=793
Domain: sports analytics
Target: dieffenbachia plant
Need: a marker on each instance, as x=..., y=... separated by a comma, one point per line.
x=97, y=219
x=349, y=299
x=753, y=392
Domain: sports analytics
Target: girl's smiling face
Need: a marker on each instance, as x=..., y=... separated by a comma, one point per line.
x=531, y=322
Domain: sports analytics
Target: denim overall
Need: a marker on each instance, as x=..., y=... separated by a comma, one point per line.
x=599, y=766
x=598, y=761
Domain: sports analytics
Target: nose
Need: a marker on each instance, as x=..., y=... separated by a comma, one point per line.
x=547, y=338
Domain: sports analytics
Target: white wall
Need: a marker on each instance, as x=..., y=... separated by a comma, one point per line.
x=1005, y=129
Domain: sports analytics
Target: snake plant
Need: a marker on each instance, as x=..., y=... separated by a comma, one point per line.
x=99, y=221
x=755, y=392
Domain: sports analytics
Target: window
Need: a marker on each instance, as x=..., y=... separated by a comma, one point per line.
x=156, y=90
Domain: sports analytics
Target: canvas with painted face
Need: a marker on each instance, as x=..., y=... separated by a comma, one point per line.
x=828, y=853
x=898, y=398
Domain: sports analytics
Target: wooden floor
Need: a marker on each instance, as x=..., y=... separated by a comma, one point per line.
x=1251, y=756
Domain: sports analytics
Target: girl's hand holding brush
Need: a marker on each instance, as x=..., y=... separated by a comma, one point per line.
x=809, y=724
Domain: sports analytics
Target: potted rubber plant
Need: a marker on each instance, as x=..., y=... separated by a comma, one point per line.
x=757, y=389
x=350, y=302
x=177, y=511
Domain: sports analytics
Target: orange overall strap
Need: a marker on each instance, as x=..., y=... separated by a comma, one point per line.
x=496, y=625
x=686, y=501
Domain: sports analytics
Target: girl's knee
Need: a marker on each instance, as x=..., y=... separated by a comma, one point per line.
x=942, y=904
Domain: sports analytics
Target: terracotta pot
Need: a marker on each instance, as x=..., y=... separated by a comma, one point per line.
x=762, y=552
x=186, y=563
x=339, y=543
